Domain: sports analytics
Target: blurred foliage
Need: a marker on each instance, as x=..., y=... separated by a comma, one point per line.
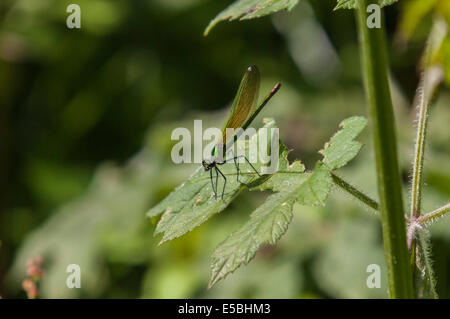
x=353, y=4
x=250, y=9
x=85, y=123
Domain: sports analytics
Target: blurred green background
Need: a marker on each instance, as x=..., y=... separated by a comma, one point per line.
x=85, y=122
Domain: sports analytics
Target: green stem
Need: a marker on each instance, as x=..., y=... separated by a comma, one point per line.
x=430, y=79
x=432, y=216
x=425, y=255
x=419, y=155
x=355, y=192
x=374, y=63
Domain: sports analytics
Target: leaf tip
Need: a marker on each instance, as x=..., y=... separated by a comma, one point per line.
x=208, y=28
x=162, y=241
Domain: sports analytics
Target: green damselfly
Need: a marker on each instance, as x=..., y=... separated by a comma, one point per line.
x=243, y=111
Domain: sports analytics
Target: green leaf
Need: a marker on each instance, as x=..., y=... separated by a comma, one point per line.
x=193, y=202
x=443, y=56
x=414, y=12
x=352, y=4
x=266, y=225
x=284, y=173
x=250, y=9
x=314, y=191
x=270, y=221
x=342, y=148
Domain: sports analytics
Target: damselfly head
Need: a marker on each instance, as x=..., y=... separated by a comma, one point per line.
x=207, y=166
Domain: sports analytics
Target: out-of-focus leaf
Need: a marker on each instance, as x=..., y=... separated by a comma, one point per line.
x=270, y=221
x=250, y=9
x=352, y=4
x=446, y=59
x=342, y=148
x=174, y=280
x=342, y=266
x=193, y=202
x=117, y=198
x=413, y=14
x=282, y=279
x=437, y=56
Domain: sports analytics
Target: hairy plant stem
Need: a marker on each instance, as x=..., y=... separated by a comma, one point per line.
x=427, y=264
x=381, y=114
x=430, y=80
x=417, y=183
x=431, y=77
x=432, y=216
x=355, y=192
x=419, y=155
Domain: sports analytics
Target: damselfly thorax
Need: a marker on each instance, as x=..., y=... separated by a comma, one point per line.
x=216, y=160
